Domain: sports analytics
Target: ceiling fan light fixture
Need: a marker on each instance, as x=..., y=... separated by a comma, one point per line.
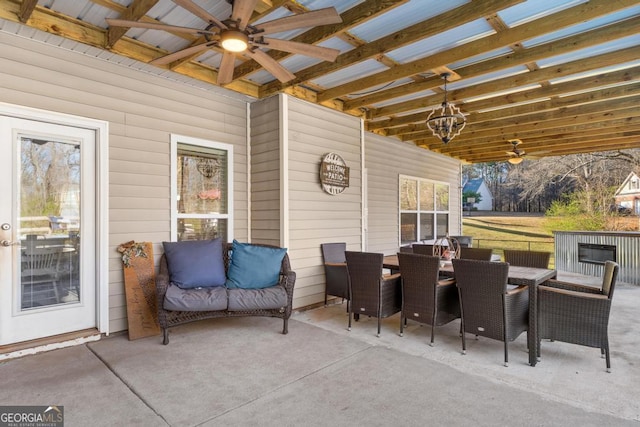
x=515, y=160
x=446, y=122
x=234, y=41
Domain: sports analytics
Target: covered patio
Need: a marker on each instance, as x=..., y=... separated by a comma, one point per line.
x=243, y=372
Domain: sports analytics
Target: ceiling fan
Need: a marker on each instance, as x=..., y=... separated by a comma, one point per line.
x=236, y=36
x=516, y=155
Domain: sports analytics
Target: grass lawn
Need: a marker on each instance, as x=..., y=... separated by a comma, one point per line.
x=511, y=231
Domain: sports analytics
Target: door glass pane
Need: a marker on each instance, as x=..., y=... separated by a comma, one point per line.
x=49, y=218
x=408, y=195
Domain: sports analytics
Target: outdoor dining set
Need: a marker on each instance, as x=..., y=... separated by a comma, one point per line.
x=493, y=298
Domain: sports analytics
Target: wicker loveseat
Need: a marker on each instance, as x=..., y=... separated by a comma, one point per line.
x=222, y=301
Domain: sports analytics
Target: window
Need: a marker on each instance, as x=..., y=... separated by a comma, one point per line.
x=424, y=209
x=202, y=173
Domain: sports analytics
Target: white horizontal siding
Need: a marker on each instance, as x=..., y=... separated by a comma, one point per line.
x=316, y=217
x=142, y=111
x=386, y=159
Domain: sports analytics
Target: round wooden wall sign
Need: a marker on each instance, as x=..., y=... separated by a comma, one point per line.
x=334, y=174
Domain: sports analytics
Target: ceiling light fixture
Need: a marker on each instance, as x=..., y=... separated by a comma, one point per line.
x=447, y=121
x=234, y=40
x=515, y=160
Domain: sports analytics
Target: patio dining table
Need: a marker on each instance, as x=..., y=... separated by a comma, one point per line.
x=529, y=276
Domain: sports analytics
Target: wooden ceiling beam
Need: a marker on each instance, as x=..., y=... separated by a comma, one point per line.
x=565, y=147
x=352, y=17
x=136, y=10
x=524, y=56
x=595, y=128
x=421, y=30
x=509, y=83
x=511, y=131
x=531, y=77
x=538, y=27
x=26, y=9
x=539, y=143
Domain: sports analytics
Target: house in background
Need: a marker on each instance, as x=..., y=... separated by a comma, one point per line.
x=628, y=194
x=479, y=186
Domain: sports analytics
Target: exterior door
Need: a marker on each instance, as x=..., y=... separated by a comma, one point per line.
x=47, y=229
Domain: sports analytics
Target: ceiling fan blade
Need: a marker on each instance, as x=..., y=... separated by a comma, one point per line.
x=167, y=59
x=227, y=65
x=511, y=153
x=324, y=16
x=154, y=26
x=242, y=10
x=271, y=65
x=320, y=52
x=200, y=13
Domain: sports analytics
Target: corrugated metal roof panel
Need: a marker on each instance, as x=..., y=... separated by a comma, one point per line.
x=534, y=9
x=591, y=51
x=585, y=26
x=351, y=73
x=403, y=16
x=443, y=41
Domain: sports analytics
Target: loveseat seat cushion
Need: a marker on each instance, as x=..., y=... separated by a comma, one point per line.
x=261, y=299
x=195, y=299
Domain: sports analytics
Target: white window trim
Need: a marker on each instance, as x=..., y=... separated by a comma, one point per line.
x=435, y=211
x=181, y=139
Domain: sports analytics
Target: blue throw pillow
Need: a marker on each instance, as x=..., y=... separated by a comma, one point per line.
x=195, y=263
x=254, y=267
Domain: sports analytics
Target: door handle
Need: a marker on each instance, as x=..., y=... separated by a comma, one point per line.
x=7, y=243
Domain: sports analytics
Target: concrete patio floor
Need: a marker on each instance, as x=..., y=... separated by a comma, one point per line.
x=241, y=372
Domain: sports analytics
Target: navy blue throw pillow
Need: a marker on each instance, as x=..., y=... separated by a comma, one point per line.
x=195, y=263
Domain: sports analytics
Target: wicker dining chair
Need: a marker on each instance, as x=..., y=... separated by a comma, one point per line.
x=535, y=259
x=335, y=270
x=425, y=298
x=419, y=248
x=481, y=254
x=577, y=314
x=372, y=294
x=488, y=308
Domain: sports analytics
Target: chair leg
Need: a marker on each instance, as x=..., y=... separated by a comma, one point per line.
x=379, y=322
x=432, y=334
x=285, y=327
x=402, y=322
x=165, y=336
x=607, y=357
x=349, y=327
x=506, y=352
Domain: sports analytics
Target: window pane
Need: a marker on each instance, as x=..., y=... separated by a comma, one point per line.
x=202, y=180
x=426, y=196
x=408, y=228
x=442, y=224
x=202, y=229
x=408, y=195
x=442, y=197
x=426, y=226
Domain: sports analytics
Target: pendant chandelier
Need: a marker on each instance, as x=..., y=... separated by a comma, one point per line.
x=446, y=122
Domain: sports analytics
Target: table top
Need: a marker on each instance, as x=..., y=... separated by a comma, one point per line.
x=517, y=275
